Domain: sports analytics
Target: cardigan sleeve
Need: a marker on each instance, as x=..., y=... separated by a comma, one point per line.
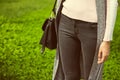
x=110, y=19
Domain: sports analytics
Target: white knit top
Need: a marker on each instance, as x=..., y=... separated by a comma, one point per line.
x=86, y=10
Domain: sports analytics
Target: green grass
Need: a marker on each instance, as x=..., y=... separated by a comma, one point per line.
x=112, y=65
x=20, y=32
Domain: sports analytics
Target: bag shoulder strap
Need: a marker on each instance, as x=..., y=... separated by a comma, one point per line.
x=55, y=5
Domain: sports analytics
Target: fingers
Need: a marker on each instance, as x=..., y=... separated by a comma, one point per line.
x=99, y=56
x=101, y=60
x=102, y=56
x=104, y=51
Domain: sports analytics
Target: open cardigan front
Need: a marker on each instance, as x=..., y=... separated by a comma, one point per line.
x=96, y=69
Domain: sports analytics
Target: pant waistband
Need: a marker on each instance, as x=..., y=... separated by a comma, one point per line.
x=94, y=23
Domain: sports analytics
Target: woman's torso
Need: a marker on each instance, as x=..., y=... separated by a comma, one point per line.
x=80, y=9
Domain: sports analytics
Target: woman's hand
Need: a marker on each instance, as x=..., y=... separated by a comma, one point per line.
x=104, y=51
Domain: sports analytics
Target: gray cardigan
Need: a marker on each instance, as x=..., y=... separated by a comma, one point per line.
x=97, y=69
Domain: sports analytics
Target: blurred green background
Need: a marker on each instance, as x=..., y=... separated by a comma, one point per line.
x=20, y=32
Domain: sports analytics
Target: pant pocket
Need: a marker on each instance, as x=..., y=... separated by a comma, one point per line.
x=93, y=25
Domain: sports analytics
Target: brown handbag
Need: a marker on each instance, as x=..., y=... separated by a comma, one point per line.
x=49, y=38
x=50, y=28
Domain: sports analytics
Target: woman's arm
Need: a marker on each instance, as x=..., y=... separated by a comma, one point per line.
x=110, y=19
x=104, y=49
